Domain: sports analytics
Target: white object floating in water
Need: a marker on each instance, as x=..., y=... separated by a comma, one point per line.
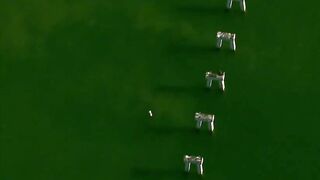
x=150, y=113
x=229, y=37
x=196, y=160
x=208, y=118
x=210, y=76
x=242, y=4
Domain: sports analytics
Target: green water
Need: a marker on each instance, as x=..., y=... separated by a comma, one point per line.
x=77, y=80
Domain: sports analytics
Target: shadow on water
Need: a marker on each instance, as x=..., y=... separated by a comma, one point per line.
x=197, y=49
x=189, y=90
x=202, y=9
x=170, y=130
x=181, y=89
x=181, y=48
x=148, y=173
x=207, y=10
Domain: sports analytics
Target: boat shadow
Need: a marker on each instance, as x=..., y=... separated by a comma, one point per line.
x=199, y=90
x=209, y=10
x=171, y=130
x=152, y=173
x=202, y=9
x=201, y=50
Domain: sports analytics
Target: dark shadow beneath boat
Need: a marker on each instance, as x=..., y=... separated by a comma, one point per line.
x=202, y=9
x=207, y=10
x=181, y=48
x=199, y=90
x=199, y=50
x=171, y=130
x=171, y=89
x=149, y=173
